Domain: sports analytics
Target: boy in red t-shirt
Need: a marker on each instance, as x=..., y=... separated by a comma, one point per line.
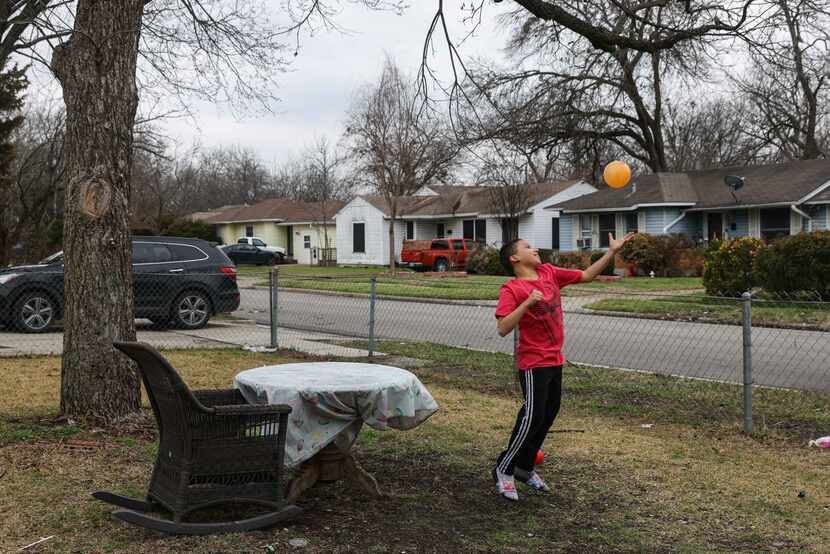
x=532, y=302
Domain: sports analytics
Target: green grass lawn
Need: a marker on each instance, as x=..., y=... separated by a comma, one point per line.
x=297, y=269
x=690, y=483
x=354, y=280
x=702, y=308
x=647, y=284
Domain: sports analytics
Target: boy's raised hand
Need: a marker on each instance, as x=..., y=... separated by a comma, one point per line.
x=534, y=297
x=616, y=244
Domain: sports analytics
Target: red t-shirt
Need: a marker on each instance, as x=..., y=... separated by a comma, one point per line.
x=541, y=329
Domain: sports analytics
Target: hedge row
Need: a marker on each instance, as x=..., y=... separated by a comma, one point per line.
x=790, y=266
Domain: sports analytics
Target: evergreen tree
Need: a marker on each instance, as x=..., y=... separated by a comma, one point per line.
x=12, y=84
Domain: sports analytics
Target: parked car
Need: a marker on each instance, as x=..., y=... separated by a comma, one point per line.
x=259, y=243
x=249, y=254
x=178, y=282
x=436, y=254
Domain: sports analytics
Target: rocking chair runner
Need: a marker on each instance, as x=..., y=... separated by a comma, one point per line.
x=214, y=448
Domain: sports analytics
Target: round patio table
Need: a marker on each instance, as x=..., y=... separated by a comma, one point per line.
x=330, y=401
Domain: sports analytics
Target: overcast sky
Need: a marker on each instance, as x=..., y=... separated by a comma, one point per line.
x=330, y=67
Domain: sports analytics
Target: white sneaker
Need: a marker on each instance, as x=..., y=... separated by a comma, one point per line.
x=536, y=482
x=505, y=485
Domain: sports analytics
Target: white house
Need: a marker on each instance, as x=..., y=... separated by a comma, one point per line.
x=446, y=211
x=305, y=229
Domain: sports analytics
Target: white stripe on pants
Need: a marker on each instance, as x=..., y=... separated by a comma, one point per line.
x=515, y=446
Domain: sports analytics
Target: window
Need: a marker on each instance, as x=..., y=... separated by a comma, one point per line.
x=359, y=237
x=475, y=229
x=439, y=230
x=259, y=243
x=440, y=245
x=458, y=244
x=185, y=253
x=481, y=230
x=249, y=230
x=410, y=230
x=606, y=225
x=807, y=225
x=585, y=232
x=306, y=241
x=775, y=223
x=630, y=222
x=150, y=253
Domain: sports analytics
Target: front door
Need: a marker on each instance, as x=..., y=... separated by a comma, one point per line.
x=289, y=248
x=714, y=222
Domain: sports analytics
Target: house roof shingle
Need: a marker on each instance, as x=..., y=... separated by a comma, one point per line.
x=769, y=184
x=451, y=200
x=283, y=211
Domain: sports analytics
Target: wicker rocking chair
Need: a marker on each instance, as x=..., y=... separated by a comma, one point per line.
x=214, y=448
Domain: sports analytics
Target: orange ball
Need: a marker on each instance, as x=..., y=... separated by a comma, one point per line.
x=616, y=174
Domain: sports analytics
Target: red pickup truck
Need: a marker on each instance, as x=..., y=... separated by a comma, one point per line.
x=436, y=254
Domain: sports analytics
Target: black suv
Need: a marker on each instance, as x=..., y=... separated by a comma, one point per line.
x=179, y=282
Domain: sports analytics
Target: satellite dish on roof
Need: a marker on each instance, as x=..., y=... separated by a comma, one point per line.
x=734, y=182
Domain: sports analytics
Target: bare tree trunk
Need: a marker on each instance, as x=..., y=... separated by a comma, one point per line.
x=97, y=69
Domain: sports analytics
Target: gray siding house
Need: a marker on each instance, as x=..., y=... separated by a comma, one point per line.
x=775, y=200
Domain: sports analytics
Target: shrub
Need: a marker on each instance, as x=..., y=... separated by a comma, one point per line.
x=658, y=253
x=572, y=260
x=609, y=269
x=548, y=256
x=191, y=229
x=484, y=260
x=729, y=266
x=796, y=264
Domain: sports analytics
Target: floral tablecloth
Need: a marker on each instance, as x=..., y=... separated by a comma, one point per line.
x=332, y=400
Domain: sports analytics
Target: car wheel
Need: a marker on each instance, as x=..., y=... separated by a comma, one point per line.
x=442, y=265
x=34, y=312
x=191, y=310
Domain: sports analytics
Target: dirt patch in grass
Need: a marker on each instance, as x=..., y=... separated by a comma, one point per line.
x=617, y=488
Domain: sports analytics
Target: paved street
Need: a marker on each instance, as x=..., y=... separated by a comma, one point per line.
x=781, y=358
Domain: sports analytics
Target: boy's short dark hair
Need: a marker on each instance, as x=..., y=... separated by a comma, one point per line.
x=507, y=250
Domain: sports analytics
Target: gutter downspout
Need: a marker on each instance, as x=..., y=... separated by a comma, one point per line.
x=802, y=214
x=673, y=223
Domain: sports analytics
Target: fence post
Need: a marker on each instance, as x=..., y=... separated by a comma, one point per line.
x=273, y=303
x=372, y=296
x=747, y=357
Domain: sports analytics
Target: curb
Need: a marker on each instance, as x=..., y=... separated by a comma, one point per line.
x=656, y=317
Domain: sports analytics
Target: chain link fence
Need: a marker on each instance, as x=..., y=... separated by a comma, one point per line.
x=754, y=344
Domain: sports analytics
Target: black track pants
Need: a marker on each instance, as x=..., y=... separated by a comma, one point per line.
x=542, y=390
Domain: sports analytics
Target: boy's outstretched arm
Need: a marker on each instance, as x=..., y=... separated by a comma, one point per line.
x=614, y=246
x=508, y=323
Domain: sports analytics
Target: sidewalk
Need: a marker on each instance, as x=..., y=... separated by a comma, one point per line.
x=215, y=335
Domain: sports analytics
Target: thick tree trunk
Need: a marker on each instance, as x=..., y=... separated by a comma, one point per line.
x=96, y=69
